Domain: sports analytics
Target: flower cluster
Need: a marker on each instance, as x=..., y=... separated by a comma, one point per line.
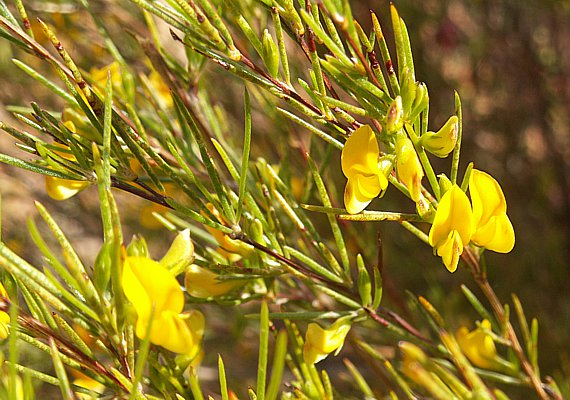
x=484, y=221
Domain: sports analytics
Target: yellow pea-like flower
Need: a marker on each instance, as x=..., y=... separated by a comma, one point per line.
x=63, y=189
x=203, y=283
x=230, y=248
x=4, y=316
x=161, y=89
x=99, y=77
x=359, y=162
x=59, y=188
x=158, y=300
x=493, y=229
x=408, y=167
x=478, y=345
x=319, y=342
x=452, y=227
x=442, y=142
x=86, y=382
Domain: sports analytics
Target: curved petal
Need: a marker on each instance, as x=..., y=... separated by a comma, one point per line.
x=173, y=333
x=180, y=254
x=360, y=153
x=4, y=321
x=487, y=197
x=408, y=167
x=63, y=189
x=497, y=235
x=367, y=186
x=453, y=213
x=478, y=345
x=149, y=285
x=203, y=283
x=450, y=251
x=354, y=202
x=321, y=342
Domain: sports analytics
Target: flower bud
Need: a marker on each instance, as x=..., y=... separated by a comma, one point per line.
x=407, y=91
x=420, y=102
x=425, y=209
x=412, y=352
x=444, y=184
x=180, y=254
x=408, y=167
x=203, y=283
x=137, y=247
x=395, y=117
x=270, y=54
x=442, y=142
x=364, y=283
x=478, y=345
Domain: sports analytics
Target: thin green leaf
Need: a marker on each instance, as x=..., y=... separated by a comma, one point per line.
x=263, y=351
x=245, y=154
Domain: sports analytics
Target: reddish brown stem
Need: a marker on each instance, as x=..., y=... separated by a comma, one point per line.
x=480, y=277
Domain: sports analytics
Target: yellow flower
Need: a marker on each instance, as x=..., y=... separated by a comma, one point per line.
x=162, y=91
x=158, y=300
x=493, y=229
x=86, y=382
x=319, y=342
x=63, y=189
x=232, y=249
x=359, y=161
x=442, y=142
x=59, y=188
x=4, y=316
x=99, y=77
x=452, y=227
x=478, y=345
x=203, y=283
x=408, y=167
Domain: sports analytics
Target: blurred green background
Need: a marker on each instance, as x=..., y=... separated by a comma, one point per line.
x=510, y=62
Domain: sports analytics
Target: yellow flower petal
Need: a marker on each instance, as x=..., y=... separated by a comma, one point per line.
x=408, y=167
x=450, y=251
x=360, y=153
x=453, y=213
x=354, y=201
x=4, y=317
x=3, y=292
x=478, y=346
x=162, y=90
x=493, y=229
x=442, y=142
x=88, y=383
x=487, y=196
x=63, y=189
x=319, y=342
x=4, y=321
x=367, y=186
x=180, y=254
x=202, y=283
x=152, y=289
x=452, y=227
x=179, y=333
